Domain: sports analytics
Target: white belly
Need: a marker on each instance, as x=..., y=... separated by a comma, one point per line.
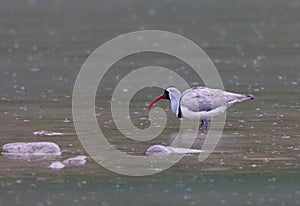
x=191, y=115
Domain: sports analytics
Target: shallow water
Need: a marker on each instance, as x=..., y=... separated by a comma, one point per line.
x=255, y=46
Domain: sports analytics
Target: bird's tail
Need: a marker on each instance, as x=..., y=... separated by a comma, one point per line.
x=239, y=98
x=247, y=97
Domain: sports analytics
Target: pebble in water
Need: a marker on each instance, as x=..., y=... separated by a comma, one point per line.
x=73, y=161
x=158, y=150
x=57, y=165
x=165, y=150
x=76, y=161
x=31, y=149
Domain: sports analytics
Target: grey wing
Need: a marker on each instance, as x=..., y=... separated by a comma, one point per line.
x=196, y=99
x=205, y=99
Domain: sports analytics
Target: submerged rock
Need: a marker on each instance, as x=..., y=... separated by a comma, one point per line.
x=57, y=165
x=76, y=161
x=31, y=149
x=166, y=150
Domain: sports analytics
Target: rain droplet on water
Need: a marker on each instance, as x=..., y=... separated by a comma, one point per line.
x=34, y=69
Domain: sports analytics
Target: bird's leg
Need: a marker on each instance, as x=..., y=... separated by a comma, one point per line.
x=206, y=124
x=201, y=125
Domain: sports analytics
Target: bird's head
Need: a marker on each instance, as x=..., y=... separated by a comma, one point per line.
x=168, y=94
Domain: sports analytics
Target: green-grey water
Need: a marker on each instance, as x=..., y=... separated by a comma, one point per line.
x=255, y=46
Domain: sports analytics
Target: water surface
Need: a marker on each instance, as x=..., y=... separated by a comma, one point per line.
x=255, y=46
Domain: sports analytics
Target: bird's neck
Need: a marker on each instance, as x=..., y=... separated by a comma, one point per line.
x=174, y=98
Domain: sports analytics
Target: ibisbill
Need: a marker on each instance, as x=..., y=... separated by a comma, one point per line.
x=200, y=103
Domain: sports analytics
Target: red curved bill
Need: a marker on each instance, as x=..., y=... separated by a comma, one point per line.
x=155, y=100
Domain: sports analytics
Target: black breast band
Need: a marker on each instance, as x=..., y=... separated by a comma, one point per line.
x=179, y=115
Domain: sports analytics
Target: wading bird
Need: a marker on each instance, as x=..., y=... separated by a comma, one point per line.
x=200, y=103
